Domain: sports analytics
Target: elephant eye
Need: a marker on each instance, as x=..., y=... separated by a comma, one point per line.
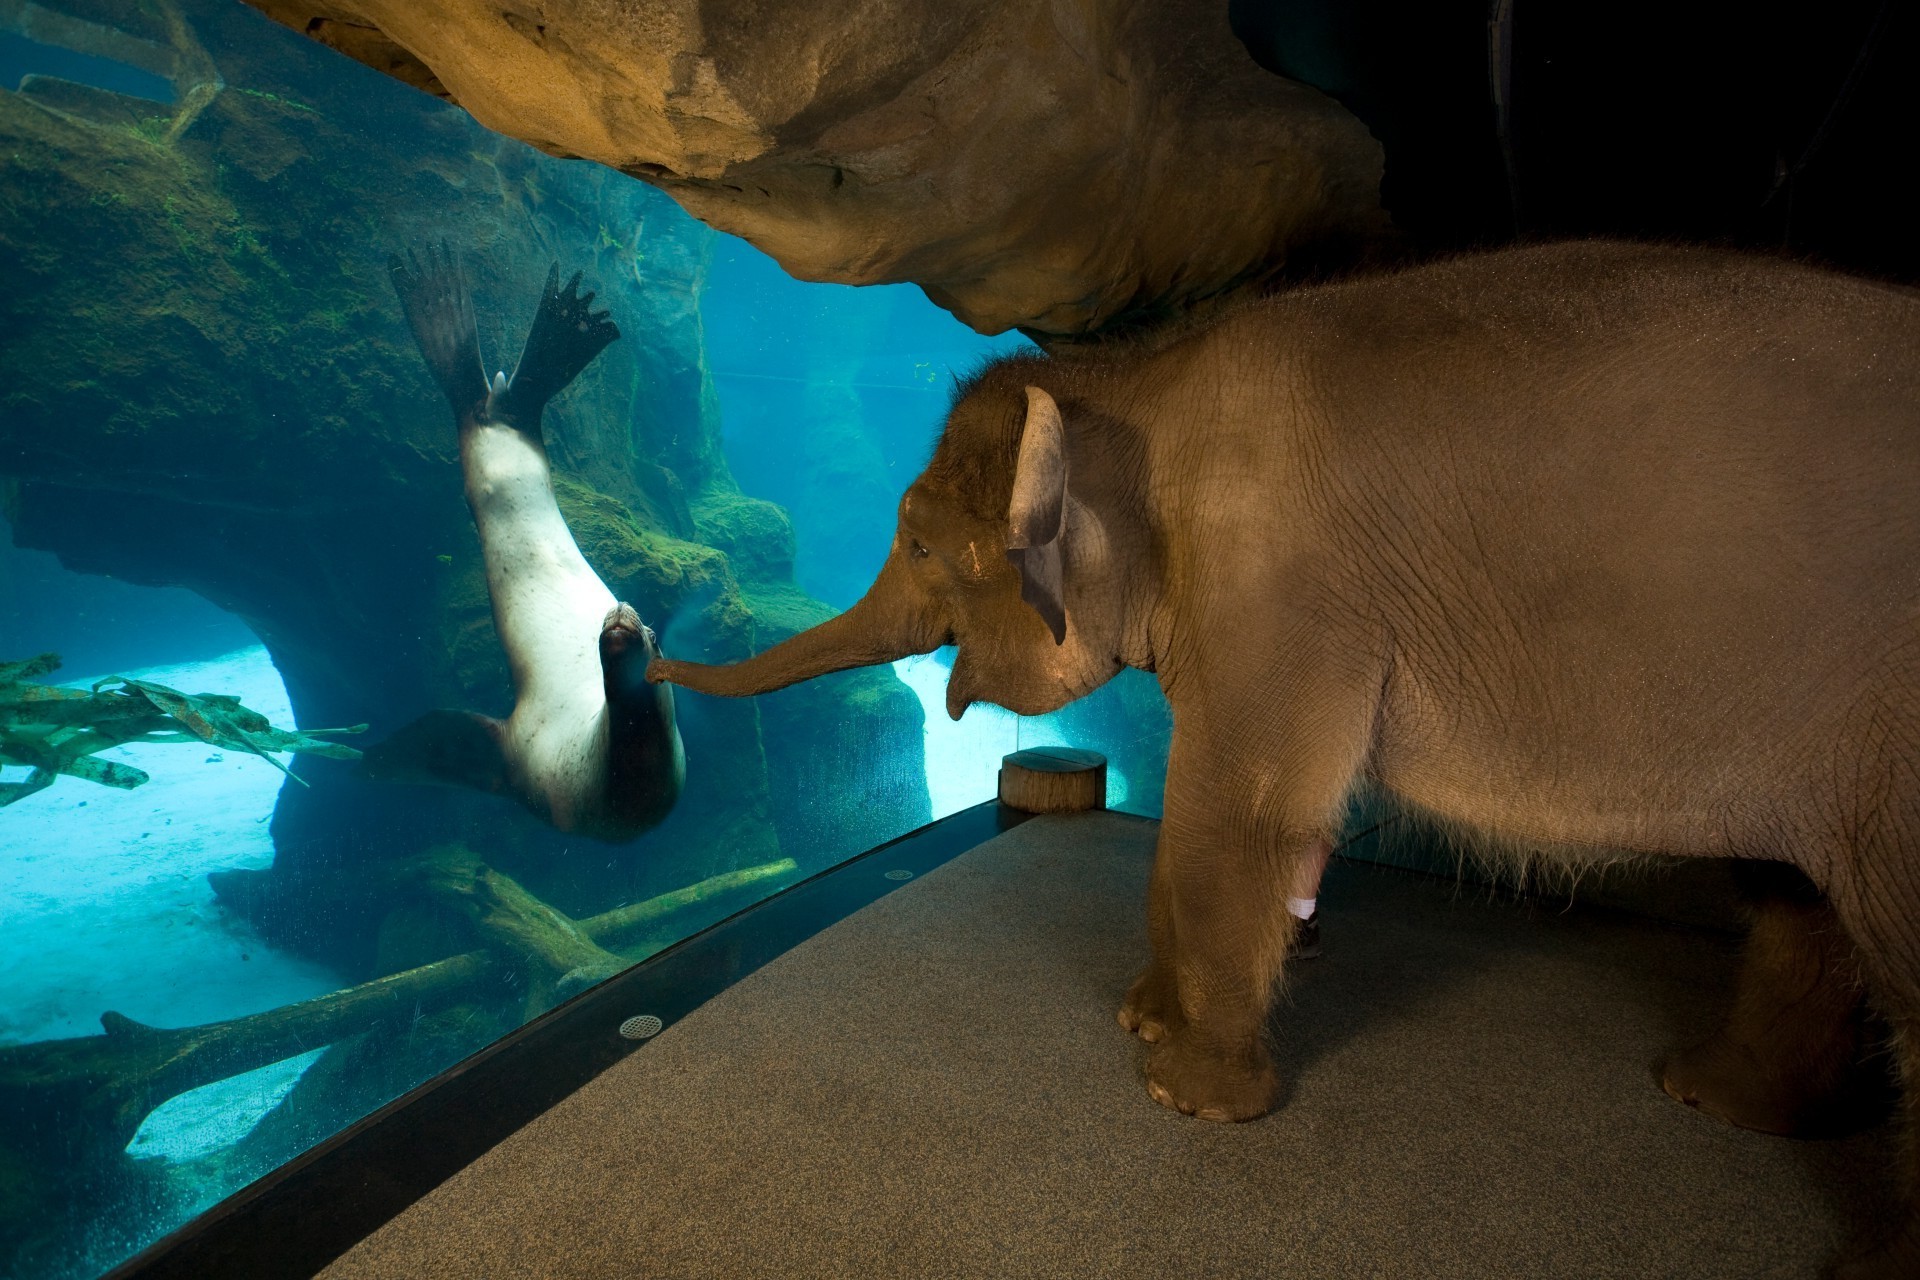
x=914, y=546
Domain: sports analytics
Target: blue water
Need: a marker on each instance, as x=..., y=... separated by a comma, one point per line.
x=830, y=399
x=138, y=556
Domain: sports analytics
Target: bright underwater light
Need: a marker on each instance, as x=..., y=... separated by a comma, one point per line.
x=963, y=756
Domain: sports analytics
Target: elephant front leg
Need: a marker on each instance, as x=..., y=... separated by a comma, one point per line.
x=1153, y=1002
x=1236, y=832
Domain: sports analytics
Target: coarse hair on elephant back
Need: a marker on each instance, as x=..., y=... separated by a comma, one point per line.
x=979, y=448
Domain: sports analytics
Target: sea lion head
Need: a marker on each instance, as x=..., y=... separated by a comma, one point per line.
x=646, y=763
x=624, y=639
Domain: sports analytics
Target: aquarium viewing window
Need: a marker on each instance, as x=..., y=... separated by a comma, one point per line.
x=233, y=509
x=505, y=627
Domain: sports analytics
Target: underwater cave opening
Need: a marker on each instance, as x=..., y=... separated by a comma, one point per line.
x=102, y=624
x=107, y=902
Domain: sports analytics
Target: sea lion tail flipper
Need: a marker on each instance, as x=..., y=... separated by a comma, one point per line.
x=451, y=748
x=566, y=335
x=433, y=293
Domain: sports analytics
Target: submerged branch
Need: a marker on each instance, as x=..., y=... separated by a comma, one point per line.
x=101, y=1087
x=96, y=1090
x=506, y=915
x=611, y=926
x=55, y=730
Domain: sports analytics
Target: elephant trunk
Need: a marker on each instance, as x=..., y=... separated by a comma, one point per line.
x=887, y=624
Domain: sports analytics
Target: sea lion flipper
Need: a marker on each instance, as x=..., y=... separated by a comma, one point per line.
x=566, y=335
x=439, y=309
x=452, y=748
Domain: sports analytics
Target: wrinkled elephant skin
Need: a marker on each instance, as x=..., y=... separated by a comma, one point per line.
x=1579, y=548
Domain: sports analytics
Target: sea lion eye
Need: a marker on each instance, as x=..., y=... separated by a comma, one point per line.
x=918, y=551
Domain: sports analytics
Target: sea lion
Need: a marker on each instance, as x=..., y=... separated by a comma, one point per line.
x=591, y=747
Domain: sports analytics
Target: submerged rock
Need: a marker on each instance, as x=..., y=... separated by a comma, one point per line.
x=1061, y=167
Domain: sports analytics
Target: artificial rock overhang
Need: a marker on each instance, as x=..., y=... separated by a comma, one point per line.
x=1061, y=166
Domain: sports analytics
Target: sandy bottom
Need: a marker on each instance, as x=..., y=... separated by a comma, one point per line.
x=104, y=905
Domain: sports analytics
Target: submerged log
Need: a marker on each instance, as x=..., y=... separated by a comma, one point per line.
x=90, y=1093
x=564, y=955
x=101, y=1087
x=615, y=925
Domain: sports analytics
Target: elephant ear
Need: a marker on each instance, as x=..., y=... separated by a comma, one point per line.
x=1038, y=512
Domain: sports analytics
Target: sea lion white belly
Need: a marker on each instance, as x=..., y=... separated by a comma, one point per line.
x=590, y=747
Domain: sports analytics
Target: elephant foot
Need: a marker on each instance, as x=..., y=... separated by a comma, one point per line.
x=1787, y=1060
x=1725, y=1078
x=1189, y=1077
x=1152, y=1007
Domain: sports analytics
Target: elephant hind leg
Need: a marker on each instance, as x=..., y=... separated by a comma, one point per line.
x=1878, y=902
x=1152, y=1007
x=1788, y=1058
x=1895, y=1255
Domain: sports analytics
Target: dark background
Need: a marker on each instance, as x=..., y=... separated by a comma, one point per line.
x=1762, y=124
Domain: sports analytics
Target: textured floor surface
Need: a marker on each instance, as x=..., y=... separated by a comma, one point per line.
x=938, y=1087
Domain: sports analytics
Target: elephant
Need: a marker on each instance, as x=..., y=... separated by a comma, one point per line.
x=1588, y=548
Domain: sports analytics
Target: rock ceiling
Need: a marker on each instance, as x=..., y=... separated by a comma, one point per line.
x=1064, y=166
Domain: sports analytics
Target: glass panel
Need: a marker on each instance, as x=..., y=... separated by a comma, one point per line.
x=831, y=401
x=226, y=472
x=1126, y=720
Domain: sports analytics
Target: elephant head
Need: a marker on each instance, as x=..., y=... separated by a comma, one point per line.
x=990, y=544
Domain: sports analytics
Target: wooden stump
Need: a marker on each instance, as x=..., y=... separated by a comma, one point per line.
x=1054, y=780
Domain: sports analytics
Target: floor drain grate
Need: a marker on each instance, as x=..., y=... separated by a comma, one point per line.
x=643, y=1027
x=899, y=875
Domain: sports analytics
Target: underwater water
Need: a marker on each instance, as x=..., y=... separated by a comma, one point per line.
x=225, y=472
